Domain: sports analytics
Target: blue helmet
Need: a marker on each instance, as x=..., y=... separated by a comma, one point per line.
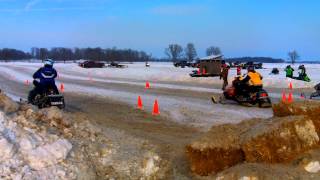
x=48, y=62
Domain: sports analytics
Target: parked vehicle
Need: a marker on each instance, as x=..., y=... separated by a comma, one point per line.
x=91, y=64
x=256, y=65
x=275, y=71
x=195, y=64
x=317, y=93
x=116, y=65
x=182, y=64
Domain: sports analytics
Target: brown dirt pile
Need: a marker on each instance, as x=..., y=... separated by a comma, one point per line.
x=220, y=148
x=293, y=131
x=306, y=108
x=279, y=140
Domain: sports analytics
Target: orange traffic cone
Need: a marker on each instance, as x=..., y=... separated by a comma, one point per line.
x=290, y=98
x=61, y=87
x=290, y=86
x=140, y=105
x=156, y=108
x=204, y=71
x=284, y=98
x=147, y=85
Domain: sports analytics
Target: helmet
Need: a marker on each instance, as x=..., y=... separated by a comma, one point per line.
x=250, y=68
x=48, y=62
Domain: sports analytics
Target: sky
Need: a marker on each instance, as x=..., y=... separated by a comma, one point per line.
x=239, y=27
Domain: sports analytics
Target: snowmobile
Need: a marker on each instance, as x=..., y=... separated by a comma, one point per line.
x=317, y=93
x=275, y=71
x=260, y=97
x=302, y=77
x=47, y=99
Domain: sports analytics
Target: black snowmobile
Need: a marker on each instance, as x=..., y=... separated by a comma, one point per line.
x=317, y=93
x=47, y=98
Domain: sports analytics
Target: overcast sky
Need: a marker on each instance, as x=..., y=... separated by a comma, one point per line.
x=239, y=27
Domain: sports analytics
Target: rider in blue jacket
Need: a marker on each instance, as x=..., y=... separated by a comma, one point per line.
x=43, y=79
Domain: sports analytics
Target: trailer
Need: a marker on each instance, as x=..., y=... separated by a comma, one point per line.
x=209, y=66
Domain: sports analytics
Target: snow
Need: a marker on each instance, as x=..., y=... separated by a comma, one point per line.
x=28, y=153
x=313, y=167
x=49, y=154
x=165, y=73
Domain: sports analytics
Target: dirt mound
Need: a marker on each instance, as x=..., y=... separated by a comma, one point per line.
x=275, y=140
x=307, y=108
x=51, y=144
x=7, y=104
x=279, y=140
x=220, y=148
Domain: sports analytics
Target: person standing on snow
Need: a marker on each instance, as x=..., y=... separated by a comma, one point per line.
x=238, y=70
x=224, y=74
x=289, y=71
x=303, y=74
x=302, y=70
x=43, y=79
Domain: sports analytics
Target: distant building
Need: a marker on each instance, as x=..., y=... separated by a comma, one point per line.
x=211, y=65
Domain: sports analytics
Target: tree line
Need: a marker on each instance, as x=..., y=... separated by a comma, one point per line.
x=13, y=54
x=255, y=59
x=65, y=54
x=176, y=52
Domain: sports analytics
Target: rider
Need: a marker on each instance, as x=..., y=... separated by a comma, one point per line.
x=253, y=80
x=289, y=71
x=44, y=78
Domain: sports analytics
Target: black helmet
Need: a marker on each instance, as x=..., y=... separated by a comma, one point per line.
x=250, y=68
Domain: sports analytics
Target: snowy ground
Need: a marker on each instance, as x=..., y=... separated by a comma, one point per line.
x=181, y=97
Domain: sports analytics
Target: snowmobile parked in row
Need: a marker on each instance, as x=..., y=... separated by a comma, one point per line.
x=316, y=95
x=258, y=98
x=47, y=99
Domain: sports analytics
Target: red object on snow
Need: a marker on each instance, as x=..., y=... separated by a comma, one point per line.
x=147, y=85
x=238, y=70
x=156, y=110
x=140, y=105
x=61, y=87
x=290, y=98
x=204, y=71
x=284, y=98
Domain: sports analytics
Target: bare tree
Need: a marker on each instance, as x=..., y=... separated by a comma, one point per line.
x=44, y=53
x=174, y=52
x=293, y=56
x=213, y=51
x=190, y=52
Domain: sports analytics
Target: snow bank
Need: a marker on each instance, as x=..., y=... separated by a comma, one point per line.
x=51, y=144
x=27, y=153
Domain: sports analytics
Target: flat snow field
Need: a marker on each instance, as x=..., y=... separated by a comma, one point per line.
x=182, y=99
